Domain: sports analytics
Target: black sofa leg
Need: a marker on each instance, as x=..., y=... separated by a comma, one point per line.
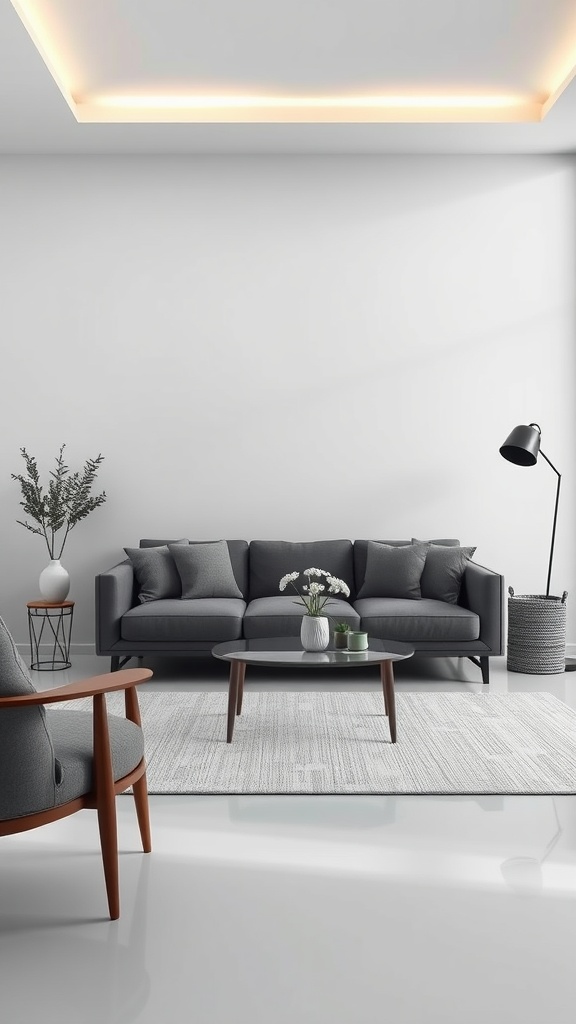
x=483, y=663
x=118, y=662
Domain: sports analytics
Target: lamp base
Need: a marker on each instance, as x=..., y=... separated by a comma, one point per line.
x=570, y=665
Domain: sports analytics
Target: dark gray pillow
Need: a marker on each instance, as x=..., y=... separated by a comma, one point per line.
x=205, y=570
x=393, y=570
x=156, y=573
x=443, y=572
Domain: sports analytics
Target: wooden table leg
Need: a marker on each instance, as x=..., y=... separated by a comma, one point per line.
x=387, y=677
x=383, y=678
x=232, y=699
x=241, y=674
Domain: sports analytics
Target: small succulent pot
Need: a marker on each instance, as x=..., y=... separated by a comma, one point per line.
x=340, y=640
x=341, y=636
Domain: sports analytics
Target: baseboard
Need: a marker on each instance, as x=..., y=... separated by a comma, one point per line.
x=24, y=649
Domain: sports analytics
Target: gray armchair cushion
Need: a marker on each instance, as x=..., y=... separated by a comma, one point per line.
x=417, y=621
x=393, y=570
x=282, y=616
x=27, y=765
x=71, y=733
x=46, y=758
x=443, y=572
x=155, y=572
x=205, y=569
x=208, y=620
x=270, y=560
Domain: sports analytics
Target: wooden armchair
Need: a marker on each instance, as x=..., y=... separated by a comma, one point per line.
x=55, y=763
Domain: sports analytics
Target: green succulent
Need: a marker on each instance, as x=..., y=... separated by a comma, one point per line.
x=342, y=627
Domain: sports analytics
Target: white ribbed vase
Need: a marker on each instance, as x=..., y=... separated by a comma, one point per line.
x=54, y=582
x=314, y=632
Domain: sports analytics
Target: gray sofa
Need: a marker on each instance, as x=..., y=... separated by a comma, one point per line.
x=125, y=628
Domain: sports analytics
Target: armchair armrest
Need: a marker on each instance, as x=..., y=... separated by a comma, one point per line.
x=114, y=597
x=110, y=681
x=483, y=593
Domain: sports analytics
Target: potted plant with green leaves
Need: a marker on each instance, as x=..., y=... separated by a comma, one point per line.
x=55, y=510
x=341, y=630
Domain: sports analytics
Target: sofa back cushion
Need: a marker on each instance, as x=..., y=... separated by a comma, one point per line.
x=394, y=570
x=270, y=560
x=155, y=572
x=205, y=569
x=237, y=549
x=361, y=553
x=444, y=572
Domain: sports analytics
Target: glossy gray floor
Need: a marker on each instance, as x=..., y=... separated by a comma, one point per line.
x=316, y=910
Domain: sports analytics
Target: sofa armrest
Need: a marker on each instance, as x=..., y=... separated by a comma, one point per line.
x=114, y=597
x=483, y=593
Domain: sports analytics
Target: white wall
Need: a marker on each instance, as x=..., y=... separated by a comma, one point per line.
x=289, y=348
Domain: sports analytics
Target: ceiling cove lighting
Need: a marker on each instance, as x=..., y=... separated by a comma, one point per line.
x=303, y=108
x=46, y=47
x=334, y=108
x=281, y=102
x=269, y=108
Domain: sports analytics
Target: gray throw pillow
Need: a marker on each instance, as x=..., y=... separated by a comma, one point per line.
x=393, y=570
x=156, y=573
x=443, y=572
x=205, y=570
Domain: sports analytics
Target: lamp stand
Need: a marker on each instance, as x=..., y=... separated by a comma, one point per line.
x=554, y=521
x=570, y=663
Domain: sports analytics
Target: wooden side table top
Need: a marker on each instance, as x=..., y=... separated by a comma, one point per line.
x=50, y=604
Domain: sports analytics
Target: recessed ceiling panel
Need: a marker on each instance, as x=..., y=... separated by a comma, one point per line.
x=306, y=60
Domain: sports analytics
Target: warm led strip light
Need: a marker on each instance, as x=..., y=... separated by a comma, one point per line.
x=197, y=102
x=278, y=110
x=268, y=108
x=281, y=109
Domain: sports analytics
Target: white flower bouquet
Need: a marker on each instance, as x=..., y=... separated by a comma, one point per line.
x=315, y=595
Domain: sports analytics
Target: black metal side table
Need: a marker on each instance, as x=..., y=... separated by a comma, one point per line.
x=56, y=620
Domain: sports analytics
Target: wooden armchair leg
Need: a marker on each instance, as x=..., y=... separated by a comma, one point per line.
x=109, y=845
x=106, y=804
x=140, y=790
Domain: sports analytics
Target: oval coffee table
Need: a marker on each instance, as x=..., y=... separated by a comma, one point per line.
x=286, y=652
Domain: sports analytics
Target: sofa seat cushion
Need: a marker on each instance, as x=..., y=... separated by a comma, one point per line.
x=209, y=619
x=282, y=616
x=388, y=618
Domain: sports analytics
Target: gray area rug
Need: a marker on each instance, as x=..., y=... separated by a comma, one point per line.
x=333, y=742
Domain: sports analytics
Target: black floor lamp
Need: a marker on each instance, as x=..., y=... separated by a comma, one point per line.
x=522, y=447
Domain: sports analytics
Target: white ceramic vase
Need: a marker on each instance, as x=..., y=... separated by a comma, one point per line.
x=314, y=632
x=54, y=582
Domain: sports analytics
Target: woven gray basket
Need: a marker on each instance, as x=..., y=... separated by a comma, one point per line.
x=536, y=633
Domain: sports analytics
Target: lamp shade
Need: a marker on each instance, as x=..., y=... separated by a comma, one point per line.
x=522, y=445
